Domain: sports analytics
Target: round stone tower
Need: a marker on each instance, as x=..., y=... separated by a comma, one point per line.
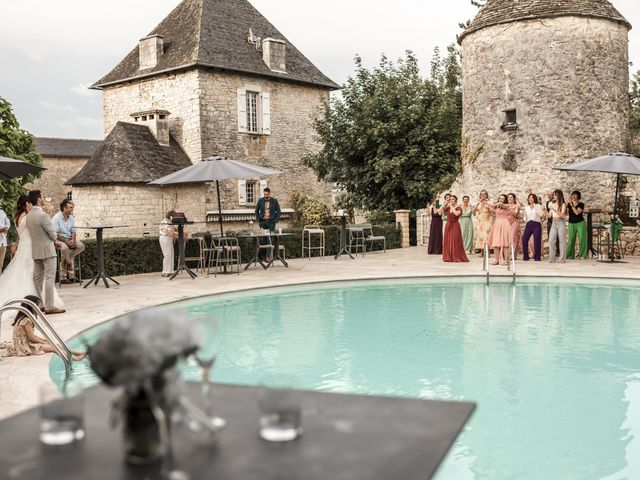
x=545, y=82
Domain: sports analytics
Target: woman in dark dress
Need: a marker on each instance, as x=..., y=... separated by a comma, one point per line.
x=435, y=232
x=453, y=246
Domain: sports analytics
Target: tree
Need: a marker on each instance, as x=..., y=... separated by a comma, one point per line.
x=392, y=138
x=20, y=145
x=475, y=3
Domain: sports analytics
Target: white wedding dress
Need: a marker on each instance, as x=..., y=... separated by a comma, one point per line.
x=16, y=281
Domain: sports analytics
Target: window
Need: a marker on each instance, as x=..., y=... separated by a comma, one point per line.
x=252, y=112
x=251, y=192
x=511, y=116
x=69, y=195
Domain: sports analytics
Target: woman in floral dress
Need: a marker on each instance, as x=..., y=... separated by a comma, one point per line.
x=484, y=216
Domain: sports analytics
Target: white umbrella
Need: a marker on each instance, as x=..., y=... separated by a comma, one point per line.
x=214, y=169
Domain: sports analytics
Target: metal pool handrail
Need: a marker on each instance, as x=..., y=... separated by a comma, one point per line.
x=485, y=261
x=511, y=266
x=39, y=320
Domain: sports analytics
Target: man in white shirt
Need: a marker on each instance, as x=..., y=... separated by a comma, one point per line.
x=65, y=227
x=4, y=229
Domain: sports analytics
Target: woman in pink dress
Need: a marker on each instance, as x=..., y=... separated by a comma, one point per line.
x=500, y=236
x=453, y=246
x=514, y=221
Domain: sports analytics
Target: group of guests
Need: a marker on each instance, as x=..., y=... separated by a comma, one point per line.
x=497, y=226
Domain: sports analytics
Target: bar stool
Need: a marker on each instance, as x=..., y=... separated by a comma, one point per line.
x=230, y=255
x=199, y=258
x=357, y=240
x=211, y=255
x=77, y=269
x=308, y=232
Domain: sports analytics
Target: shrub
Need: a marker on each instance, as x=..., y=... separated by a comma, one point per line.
x=311, y=211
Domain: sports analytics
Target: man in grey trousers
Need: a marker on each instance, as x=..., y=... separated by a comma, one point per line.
x=43, y=250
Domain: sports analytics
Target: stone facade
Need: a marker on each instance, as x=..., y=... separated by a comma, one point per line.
x=141, y=207
x=204, y=118
x=179, y=93
x=567, y=80
x=51, y=182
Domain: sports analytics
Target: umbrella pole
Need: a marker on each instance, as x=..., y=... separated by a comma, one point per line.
x=613, y=217
x=219, y=208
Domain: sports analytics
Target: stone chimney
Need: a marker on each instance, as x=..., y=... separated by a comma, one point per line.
x=157, y=121
x=274, y=54
x=150, y=50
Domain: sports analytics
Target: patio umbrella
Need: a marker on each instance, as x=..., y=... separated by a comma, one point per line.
x=619, y=163
x=214, y=169
x=10, y=168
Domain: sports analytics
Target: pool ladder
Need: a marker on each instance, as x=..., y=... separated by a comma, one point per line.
x=42, y=324
x=511, y=264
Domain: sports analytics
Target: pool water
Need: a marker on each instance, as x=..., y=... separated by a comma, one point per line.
x=554, y=367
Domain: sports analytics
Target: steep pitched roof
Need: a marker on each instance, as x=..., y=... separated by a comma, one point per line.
x=66, y=147
x=496, y=12
x=131, y=154
x=213, y=33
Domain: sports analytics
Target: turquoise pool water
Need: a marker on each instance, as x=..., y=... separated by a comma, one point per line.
x=554, y=367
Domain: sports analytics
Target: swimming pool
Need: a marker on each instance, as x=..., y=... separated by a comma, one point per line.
x=553, y=365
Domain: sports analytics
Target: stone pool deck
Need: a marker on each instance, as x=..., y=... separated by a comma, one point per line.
x=21, y=377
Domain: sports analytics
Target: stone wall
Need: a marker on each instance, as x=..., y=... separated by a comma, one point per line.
x=204, y=119
x=140, y=207
x=568, y=80
x=176, y=92
x=292, y=108
x=51, y=182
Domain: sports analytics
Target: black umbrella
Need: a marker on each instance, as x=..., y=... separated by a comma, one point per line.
x=214, y=169
x=10, y=168
x=619, y=163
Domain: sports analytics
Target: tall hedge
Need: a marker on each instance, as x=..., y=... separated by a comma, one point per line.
x=128, y=256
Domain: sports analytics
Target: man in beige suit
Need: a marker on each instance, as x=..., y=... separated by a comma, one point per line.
x=43, y=250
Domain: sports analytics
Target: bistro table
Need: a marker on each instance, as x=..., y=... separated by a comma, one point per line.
x=101, y=274
x=343, y=238
x=346, y=437
x=182, y=264
x=276, y=249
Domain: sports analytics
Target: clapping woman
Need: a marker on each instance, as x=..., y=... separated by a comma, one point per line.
x=453, y=248
x=500, y=236
x=466, y=224
x=484, y=214
x=435, y=231
x=533, y=215
x=514, y=221
x=558, y=213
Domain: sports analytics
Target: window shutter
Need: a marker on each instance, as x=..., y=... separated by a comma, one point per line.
x=242, y=192
x=266, y=114
x=242, y=110
x=263, y=185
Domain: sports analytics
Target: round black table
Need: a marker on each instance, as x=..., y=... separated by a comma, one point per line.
x=276, y=247
x=101, y=274
x=343, y=238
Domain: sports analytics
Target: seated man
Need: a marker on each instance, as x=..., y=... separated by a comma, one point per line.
x=65, y=227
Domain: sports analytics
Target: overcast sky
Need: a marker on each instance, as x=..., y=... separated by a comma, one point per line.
x=51, y=50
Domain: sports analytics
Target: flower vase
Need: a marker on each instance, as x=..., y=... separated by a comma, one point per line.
x=142, y=436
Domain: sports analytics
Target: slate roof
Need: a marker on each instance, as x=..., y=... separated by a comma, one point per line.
x=496, y=12
x=131, y=154
x=213, y=33
x=66, y=147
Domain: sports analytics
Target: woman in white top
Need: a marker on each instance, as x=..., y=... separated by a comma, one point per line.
x=167, y=234
x=533, y=215
x=558, y=213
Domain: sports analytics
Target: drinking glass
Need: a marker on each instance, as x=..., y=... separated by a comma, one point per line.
x=280, y=410
x=61, y=414
x=205, y=356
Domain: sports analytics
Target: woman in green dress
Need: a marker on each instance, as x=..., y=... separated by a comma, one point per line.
x=466, y=224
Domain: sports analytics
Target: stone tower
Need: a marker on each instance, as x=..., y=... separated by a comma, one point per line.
x=545, y=82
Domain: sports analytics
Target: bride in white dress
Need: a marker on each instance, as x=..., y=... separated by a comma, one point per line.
x=16, y=281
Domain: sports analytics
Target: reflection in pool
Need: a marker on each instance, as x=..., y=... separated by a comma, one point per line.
x=554, y=367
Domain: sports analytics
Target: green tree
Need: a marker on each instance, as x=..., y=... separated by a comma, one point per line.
x=475, y=3
x=18, y=144
x=392, y=138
